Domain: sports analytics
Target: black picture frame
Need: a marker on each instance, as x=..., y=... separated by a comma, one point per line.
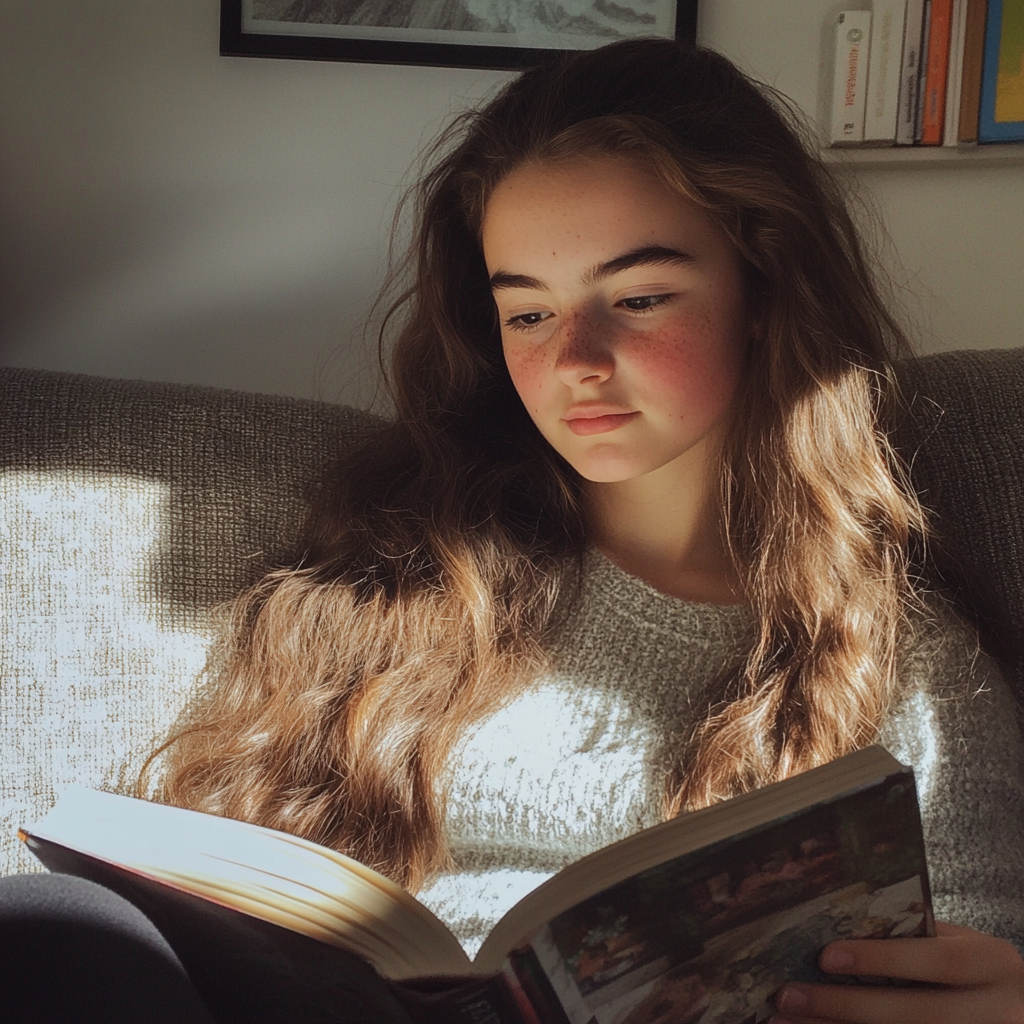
x=235, y=41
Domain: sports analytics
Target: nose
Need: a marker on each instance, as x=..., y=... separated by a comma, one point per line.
x=584, y=355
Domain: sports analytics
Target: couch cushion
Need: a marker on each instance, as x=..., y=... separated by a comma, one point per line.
x=128, y=510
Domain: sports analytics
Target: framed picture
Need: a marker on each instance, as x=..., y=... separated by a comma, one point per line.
x=449, y=33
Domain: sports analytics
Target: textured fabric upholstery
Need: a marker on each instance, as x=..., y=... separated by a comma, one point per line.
x=965, y=442
x=237, y=465
x=128, y=510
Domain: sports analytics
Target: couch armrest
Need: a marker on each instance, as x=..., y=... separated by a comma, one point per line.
x=964, y=441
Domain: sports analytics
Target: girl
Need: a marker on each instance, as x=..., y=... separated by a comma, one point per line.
x=634, y=542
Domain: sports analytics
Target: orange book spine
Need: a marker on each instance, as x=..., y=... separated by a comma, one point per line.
x=934, y=98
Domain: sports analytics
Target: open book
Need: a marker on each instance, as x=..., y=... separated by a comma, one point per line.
x=699, y=919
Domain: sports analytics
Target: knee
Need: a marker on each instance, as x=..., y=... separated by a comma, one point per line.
x=74, y=912
x=68, y=942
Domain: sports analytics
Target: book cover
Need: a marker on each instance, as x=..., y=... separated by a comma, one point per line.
x=954, y=75
x=849, y=81
x=705, y=915
x=970, y=78
x=1001, y=117
x=884, y=65
x=910, y=73
x=933, y=98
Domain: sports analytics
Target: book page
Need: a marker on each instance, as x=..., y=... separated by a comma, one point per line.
x=711, y=934
x=688, y=832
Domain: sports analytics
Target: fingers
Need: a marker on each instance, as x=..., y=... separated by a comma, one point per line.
x=974, y=978
x=831, y=1004
x=957, y=956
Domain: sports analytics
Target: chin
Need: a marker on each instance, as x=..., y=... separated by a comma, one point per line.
x=612, y=471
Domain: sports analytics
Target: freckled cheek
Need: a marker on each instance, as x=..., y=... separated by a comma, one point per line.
x=692, y=366
x=530, y=373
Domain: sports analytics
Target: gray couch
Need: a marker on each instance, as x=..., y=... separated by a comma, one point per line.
x=129, y=510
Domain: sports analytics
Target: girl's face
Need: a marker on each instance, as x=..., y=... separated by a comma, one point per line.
x=622, y=312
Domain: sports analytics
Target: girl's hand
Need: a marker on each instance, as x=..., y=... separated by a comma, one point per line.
x=979, y=979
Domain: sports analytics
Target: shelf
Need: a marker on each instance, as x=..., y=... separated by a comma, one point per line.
x=926, y=156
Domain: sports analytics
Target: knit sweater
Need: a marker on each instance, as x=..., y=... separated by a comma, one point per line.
x=578, y=761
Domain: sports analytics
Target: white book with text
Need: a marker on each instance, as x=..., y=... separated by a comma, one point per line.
x=850, y=77
x=884, y=63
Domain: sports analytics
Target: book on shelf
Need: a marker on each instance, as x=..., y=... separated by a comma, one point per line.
x=1001, y=116
x=910, y=73
x=929, y=72
x=970, y=73
x=884, y=65
x=700, y=918
x=850, y=77
x=936, y=69
x=954, y=73
x=922, y=70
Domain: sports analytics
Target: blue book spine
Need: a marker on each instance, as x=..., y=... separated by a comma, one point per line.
x=989, y=129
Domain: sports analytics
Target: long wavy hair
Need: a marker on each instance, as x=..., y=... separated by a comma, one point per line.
x=446, y=553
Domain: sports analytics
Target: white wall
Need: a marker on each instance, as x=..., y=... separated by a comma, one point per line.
x=170, y=214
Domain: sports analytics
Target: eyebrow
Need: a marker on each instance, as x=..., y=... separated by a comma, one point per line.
x=646, y=256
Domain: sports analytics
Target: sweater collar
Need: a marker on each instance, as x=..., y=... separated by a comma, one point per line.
x=628, y=596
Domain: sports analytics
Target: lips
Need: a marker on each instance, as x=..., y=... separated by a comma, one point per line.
x=584, y=423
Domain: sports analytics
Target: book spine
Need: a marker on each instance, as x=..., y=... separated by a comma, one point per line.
x=492, y=1003
x=954, y=78
x=536, y=987
x=527, y=1011
x=970, y=78
x=910, y=71
x=923, y=72
x=934, y=99
x=887, y=24
x=485, y=1001
x=849, y=84
x=987, y=128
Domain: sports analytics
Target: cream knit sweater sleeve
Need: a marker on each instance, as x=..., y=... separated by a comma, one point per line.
x=956, y=724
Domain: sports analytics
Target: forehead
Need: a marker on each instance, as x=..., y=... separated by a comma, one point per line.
x=593, y=203
x=541, y=182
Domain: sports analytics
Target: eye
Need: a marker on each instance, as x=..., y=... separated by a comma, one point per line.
x=525, y=321
x=644, y=303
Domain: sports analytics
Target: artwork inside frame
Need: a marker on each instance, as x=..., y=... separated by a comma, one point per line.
x=500, y=34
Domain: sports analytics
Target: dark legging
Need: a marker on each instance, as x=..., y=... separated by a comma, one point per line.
x=71, y=950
